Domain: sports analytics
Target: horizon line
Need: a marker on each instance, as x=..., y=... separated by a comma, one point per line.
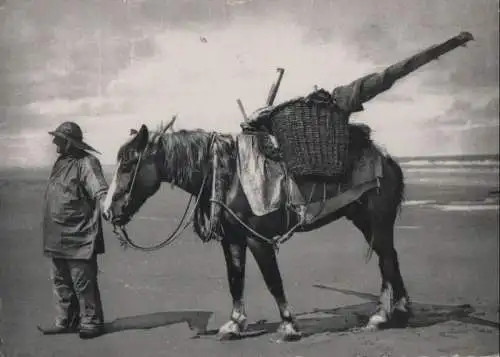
x=401, y=157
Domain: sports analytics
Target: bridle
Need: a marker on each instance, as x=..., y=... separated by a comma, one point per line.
x=120, y=230
x=134, y=177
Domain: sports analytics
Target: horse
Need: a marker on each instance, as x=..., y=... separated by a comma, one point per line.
x=183, y=159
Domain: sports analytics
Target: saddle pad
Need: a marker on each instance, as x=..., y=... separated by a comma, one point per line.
x=262, y=179
x=318, y=210
x=367, y=169
x=266, y=185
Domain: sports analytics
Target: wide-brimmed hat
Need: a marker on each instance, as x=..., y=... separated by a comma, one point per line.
x=73, y=133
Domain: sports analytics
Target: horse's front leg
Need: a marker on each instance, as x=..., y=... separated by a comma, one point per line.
x=265, y=256
x=235, y=255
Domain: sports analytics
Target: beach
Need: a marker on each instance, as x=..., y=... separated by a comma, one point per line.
x=446, y=237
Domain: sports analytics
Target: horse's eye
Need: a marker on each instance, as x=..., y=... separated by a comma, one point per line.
x=129, y=156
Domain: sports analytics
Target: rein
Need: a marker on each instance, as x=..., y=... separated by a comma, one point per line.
x=121, y=232
x=279, y=239
x=132, y=184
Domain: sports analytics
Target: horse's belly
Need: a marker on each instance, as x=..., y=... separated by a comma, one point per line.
x=319, y=209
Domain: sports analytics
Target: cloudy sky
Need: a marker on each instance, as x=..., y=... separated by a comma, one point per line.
x=111, y=65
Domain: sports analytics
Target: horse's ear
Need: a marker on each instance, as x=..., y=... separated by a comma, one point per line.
x=170, y=124
x=141, y=138
x=143, y=135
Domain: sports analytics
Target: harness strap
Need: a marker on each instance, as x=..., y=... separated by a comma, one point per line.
x=134, y=177
x=214, y=209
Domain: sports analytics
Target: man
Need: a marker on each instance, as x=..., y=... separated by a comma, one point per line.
x=72, y=233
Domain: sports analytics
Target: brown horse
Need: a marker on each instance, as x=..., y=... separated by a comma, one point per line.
x=183, y=158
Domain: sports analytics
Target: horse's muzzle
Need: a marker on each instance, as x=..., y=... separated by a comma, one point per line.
x=121, y=211
x=112, y=217
x=106, y=216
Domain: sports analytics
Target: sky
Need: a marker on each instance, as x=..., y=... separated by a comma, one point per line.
x=112, y=65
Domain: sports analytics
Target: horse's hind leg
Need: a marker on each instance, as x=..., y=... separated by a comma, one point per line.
x=377, y=226
x=393, y=305
x=235, y=256
x=265, y=256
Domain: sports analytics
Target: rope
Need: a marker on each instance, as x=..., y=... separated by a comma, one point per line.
x=279, y=239
x=123, y=236
x=271, y=241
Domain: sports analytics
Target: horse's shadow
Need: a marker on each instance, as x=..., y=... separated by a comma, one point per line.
x=354, y=317
x=338, y=320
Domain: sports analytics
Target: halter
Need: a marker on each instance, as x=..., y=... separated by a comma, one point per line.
x=134, y=177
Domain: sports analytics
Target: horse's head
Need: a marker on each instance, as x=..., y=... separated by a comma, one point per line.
x=137, y=176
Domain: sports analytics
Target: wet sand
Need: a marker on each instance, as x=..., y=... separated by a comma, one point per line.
x=448, y=256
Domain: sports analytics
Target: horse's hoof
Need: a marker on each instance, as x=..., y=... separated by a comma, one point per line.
x=400, y=318
x=288, y=332
x=376, y=322
x=231, y=330
x=368, y=328
x=402, y=313
x=228, y=336
x=403, y=304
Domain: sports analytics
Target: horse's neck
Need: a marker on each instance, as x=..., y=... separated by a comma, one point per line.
x=188, y=176
x=192, y=186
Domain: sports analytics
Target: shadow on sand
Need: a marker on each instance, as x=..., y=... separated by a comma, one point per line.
x=338, y=320
x=196, y=320
x=352, y=318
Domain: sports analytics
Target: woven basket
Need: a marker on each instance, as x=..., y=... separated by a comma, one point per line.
x=313, y=143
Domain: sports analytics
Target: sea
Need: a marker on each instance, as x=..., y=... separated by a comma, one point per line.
x=448, y=183
x=453, y=183
x=454, y=170
x=488, y=164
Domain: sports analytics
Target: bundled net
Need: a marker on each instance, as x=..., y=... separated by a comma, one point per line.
x=312, y=136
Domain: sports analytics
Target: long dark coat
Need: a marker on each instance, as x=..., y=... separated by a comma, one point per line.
x=72, y=224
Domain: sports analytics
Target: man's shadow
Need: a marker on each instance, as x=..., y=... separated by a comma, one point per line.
x=196, y=320
x=354, y=317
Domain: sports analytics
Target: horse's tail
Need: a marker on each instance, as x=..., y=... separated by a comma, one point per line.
x=399, y=197
x=360, y=139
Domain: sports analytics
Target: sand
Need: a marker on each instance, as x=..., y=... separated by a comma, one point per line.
x=449, y=260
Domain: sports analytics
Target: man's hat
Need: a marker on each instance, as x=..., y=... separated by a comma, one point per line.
x=72, y=132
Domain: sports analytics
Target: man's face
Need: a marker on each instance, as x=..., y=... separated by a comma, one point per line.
x=61, y=145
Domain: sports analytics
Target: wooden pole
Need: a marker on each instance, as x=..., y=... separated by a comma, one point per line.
x=274, y=88
x=242, y=109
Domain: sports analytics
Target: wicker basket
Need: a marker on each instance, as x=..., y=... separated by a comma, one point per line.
x=312, y=137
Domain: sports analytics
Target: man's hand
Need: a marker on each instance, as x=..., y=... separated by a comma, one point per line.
x=104, y=210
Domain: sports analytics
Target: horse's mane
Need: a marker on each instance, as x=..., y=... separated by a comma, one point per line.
x=186, y=151
x=183, y=152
